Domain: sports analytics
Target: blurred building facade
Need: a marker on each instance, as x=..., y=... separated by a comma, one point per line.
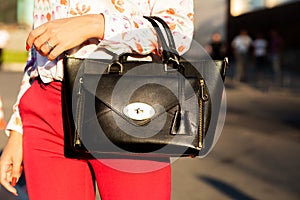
x=224, y=16
x=8, y=11
x=262, y=16
x=16, y=12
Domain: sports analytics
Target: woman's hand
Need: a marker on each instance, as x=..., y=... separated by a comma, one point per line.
x=54, y=37
x=11, y=161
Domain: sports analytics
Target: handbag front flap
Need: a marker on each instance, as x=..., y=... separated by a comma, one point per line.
x=140, y=91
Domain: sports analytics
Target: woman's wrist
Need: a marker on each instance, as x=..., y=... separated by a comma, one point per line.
x=15, y=134
x=97, y=26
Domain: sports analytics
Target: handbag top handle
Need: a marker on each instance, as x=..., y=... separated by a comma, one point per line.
x=168, y=33
x=169, y=52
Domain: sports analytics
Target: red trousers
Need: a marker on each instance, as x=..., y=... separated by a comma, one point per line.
x=49, y=175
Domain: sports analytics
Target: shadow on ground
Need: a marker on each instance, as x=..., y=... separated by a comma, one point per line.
x=228, y=190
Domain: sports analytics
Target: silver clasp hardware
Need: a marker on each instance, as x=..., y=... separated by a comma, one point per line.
x=115, y=64
x=139, y=111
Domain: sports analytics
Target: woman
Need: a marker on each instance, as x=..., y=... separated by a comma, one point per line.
x=35, y=129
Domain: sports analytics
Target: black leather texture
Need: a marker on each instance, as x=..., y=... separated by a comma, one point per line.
x=96, y=94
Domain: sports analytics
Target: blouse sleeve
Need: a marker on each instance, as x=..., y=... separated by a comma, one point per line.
x=133, y=33
x=15, y=122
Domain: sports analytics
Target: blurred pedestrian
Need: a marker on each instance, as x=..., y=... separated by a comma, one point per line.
x=216, y=48
x=4, y=37
x=241, y=45
x=276, y=45
x=260, y=45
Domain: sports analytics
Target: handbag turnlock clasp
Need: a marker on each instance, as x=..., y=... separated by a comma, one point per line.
x=139, y=111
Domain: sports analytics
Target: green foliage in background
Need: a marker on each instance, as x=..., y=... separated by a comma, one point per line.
x=13, y=56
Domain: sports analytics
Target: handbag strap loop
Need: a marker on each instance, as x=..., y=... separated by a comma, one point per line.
x=169, y=54
x=168, y=33
x=115, y=67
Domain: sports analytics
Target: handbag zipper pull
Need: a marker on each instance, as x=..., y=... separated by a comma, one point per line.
x=203, y=96
x=77, y=134
x=77, y=140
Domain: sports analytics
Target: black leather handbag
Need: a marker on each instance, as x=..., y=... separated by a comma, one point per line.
x=134, y=105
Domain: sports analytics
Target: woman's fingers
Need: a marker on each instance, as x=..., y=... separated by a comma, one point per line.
x=10, y=162
x=6, y=178
x=34, y=35
x=16, y=171
x=9, y=188
x=44, y=40
x=56, y=51
x=48, y=47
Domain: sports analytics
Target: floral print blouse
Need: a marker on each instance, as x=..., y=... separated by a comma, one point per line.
x=121, y=18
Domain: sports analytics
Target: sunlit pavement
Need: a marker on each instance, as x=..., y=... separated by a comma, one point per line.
x=257, y=156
